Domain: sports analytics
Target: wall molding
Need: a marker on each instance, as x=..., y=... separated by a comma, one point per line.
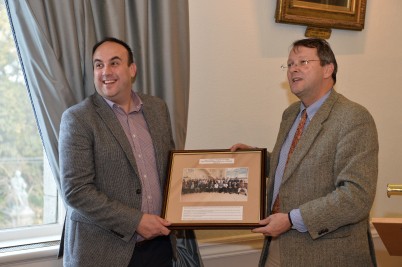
x=222, y=247
x=230, y=246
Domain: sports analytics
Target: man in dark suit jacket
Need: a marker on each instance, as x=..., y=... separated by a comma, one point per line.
x=114, y=149
x=326, y=188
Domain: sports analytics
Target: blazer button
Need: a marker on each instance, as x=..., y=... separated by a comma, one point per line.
x=138, y=191
x=323, y=231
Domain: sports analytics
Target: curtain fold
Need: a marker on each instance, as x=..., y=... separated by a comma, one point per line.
x=55, y=39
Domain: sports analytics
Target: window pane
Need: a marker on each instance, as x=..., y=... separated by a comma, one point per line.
x=28, y=195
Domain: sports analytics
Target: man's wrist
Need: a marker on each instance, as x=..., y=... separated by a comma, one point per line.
x=290, y=220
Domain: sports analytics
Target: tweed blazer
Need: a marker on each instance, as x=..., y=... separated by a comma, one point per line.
x=331, y=177
x=100, y=183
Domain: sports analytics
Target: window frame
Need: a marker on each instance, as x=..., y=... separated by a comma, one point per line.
x=20, y=236
x=14, y=239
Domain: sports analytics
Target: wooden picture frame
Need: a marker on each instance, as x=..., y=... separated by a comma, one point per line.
x=213, y=189
x=340, y=14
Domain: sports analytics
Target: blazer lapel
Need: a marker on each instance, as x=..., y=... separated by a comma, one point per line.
x=150, y=113
x=309, y=135
x=109, y=118
x=286, y=124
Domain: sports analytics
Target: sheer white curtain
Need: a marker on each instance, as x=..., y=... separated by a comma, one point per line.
x=55, y=39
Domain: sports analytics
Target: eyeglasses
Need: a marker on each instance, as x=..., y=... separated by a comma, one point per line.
x=301, y=63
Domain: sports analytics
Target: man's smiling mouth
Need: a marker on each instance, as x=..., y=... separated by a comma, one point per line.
x=109, y=81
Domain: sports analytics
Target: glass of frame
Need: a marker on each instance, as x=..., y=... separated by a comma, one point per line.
x=341, y=14
x=212, y=189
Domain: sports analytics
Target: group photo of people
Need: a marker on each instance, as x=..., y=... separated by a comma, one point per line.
x=214, y=184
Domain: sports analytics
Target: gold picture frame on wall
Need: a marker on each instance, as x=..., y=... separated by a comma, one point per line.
x=339, y=14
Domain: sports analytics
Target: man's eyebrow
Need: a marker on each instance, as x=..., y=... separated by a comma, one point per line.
x=116, y=57
x=113, y=58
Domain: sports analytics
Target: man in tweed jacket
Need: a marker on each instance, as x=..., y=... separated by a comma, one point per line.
x=326, y=188
x=114, y=149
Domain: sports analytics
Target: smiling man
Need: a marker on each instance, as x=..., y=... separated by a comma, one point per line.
x=114, y=70
x=114, y=148
x=322, y=171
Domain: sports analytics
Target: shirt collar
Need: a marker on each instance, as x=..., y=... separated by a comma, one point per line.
x=312, y=109
x=136, y=102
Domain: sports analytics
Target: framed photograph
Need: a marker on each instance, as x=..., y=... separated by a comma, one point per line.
x=212, y=189
x=341, y=14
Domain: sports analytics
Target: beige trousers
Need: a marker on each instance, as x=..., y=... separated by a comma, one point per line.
x=274, y=259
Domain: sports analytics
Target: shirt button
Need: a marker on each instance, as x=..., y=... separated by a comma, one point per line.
x=138, y=191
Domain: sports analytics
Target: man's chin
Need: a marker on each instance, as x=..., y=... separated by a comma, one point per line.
x=295, y=90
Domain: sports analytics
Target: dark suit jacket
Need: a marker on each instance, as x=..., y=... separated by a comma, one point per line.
x=332, y=178
x=100, y=182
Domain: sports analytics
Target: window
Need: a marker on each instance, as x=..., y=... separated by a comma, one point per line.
x=28, y=195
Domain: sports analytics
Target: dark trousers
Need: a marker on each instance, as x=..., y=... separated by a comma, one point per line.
x=153, y=253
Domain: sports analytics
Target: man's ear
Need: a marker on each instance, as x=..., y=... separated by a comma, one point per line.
x=328, y=70
x=133, y=70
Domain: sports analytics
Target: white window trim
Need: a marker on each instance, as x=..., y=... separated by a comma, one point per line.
x=29, y=236
x=29, y=255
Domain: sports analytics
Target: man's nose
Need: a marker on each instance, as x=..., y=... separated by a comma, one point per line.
x=106, y=69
